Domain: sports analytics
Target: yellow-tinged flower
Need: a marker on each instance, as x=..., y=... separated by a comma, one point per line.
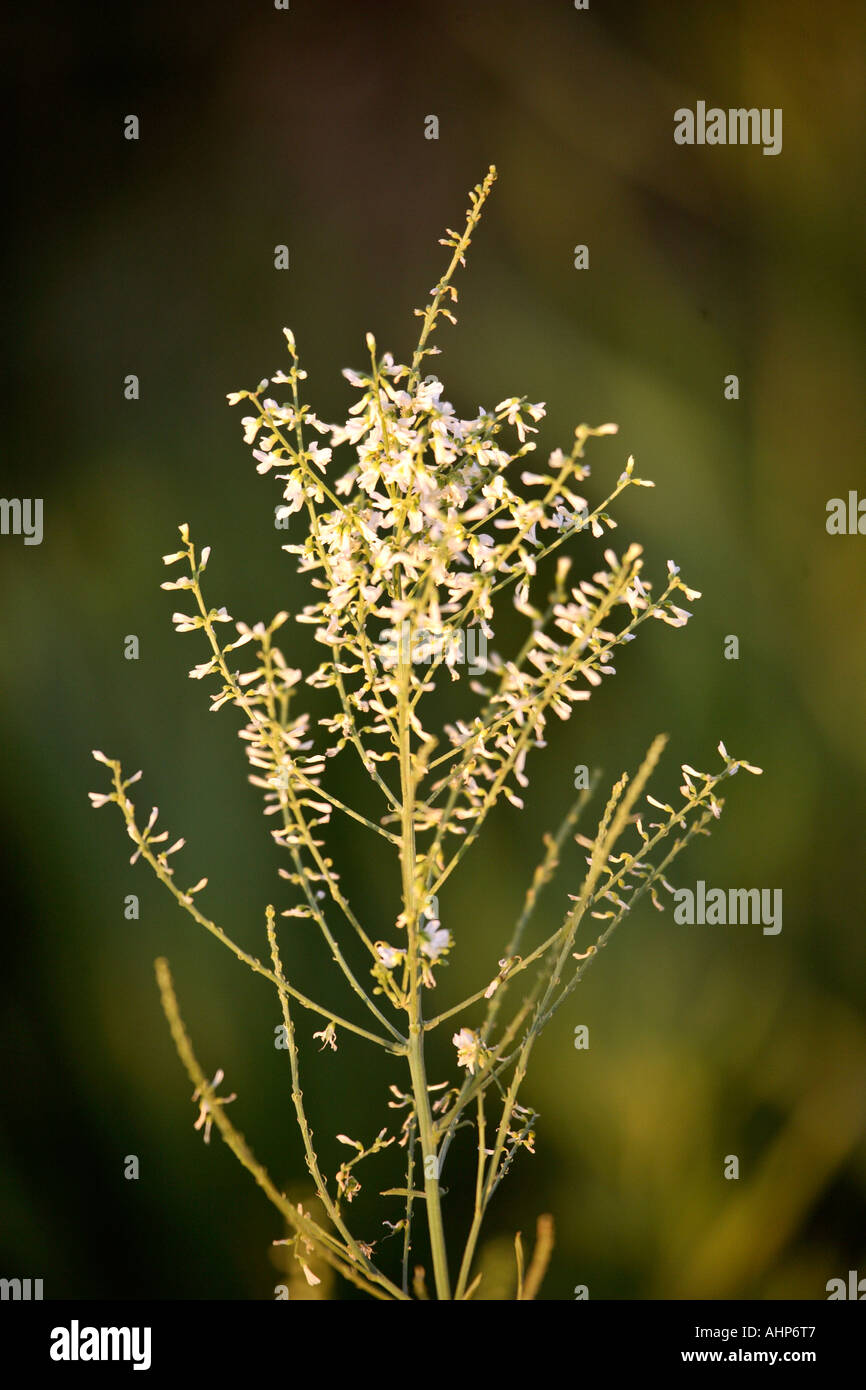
x=471, y=1052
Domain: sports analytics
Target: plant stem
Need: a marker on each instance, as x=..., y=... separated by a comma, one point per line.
x=331, y=1207
x=428, y=1147
x=417, y=1068
x=297, y=1219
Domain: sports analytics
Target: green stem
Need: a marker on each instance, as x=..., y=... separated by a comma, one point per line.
x=428, y=1147
x=417, y=1069
x=478, y=1213
x=325, y=1198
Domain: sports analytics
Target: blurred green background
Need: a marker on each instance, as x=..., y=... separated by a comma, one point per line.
x=261, y=127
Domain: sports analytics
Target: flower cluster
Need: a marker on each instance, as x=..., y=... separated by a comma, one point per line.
x=411, y=521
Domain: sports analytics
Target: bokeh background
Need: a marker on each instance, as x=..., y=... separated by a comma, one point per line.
x=306, y=127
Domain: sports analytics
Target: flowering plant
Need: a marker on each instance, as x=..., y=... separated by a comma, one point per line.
x=435, y=521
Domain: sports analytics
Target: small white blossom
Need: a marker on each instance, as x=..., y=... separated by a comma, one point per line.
x=470, y=1050
x=205, y=1114
x=388, y=955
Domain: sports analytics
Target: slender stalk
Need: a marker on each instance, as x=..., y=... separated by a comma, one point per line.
x=478, y=1209
x=410, y=1200
x=304, y=1225
x=540, y=1257
x=164, y=875
x=478, y=198
x=417, y=1068
x=269, y=732
x=306, y=1133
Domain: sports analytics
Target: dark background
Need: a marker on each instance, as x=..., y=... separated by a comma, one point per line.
x=261, y=127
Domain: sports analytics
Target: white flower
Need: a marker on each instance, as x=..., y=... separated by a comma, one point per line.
x=318, y=455
x=328, y=1036
x=434, y=939
x=388, y=955
x=205, y=1114
x=470, y=1050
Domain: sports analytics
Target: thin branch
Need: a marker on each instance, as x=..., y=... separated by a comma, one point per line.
x=303, y=1225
